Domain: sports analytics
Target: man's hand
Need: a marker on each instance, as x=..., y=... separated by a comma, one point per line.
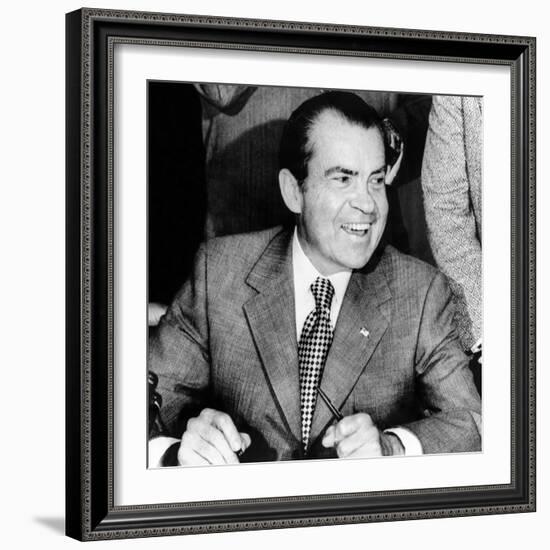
x=392, y=171
x=357, y=436
x=211, y=438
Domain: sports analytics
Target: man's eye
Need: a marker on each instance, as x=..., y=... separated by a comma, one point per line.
x=378, y=181
x=342, y=179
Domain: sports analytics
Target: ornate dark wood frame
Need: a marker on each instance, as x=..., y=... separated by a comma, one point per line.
x=91, y=36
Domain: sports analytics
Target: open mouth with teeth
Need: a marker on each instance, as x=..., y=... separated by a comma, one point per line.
x=358, y=229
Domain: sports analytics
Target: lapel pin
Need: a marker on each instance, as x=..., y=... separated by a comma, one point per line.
x=364, y=332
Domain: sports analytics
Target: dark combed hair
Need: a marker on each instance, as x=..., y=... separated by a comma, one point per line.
x=295, y=150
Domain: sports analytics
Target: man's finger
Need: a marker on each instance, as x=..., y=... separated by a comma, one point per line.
x=208, y=451
x=365, y=440
x=245, y=441
x=351, y=424
x=188, y=457
x=392, y=170
x=194, y=441
x=329, y=439
x=225, y=424
x=215, y=437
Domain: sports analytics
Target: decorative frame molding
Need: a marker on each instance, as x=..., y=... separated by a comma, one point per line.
x=91, y=36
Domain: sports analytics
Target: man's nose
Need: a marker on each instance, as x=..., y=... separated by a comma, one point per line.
x=362, y=198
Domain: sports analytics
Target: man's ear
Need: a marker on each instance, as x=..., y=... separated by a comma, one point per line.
x=291, y=191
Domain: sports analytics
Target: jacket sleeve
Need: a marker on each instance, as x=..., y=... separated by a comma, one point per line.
x=445, y=390
x=449, y=214
x=179, y=351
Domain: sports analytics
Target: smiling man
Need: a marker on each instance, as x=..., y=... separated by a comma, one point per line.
x=319, y=341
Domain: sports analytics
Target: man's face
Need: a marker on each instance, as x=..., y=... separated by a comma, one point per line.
x=342, y=203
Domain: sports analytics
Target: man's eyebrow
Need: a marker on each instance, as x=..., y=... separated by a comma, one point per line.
x=381, y=169
x=340, y=170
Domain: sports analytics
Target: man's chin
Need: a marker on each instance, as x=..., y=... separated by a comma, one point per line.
x=356, y=263
x=359, y=261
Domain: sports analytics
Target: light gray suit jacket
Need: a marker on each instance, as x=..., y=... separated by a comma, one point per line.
x=451, y=184
x=229, y=341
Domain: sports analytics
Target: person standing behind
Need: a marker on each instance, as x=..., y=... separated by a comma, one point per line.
x=451, y=185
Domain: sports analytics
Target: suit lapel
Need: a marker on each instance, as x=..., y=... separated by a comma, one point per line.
x=271, y=318
x=363, y=320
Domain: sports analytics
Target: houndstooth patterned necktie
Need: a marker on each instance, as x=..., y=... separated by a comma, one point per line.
x=314, y=344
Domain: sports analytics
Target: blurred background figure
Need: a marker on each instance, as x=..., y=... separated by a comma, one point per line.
x=451, y=183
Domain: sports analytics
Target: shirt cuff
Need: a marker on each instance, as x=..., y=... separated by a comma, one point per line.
x=157, y=448
x=411, y=443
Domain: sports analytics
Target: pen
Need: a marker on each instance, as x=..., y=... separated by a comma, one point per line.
x=335, y=412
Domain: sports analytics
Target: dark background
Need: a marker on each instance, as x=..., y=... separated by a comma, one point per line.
x=176, y=186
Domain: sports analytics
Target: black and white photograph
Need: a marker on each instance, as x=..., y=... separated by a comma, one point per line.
x=314, y=273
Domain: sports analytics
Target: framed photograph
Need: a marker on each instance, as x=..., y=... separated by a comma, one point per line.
x=300, y=274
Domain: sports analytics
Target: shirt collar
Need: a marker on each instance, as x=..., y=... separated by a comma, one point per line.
x=305, y=272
